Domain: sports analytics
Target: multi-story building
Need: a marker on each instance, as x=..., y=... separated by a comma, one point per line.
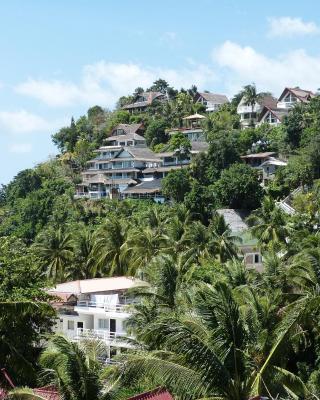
x=123, y=168
x=211, y=101
x=96, y=309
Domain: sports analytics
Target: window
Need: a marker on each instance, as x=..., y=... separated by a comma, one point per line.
x=257, y=258
x=103, y=324
x=70, y=325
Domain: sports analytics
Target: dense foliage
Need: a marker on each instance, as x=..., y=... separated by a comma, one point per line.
x=207, y=326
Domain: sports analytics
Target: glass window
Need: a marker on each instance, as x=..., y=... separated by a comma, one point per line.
x=256, y=258
x=103, y=324
x=70, y=325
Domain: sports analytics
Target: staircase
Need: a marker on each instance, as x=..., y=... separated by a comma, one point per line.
x=285, y=204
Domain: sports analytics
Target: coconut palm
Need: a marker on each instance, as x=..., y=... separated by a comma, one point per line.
x=69, y=368
x=73, y=369
x=84, y=263
x=223, y=243
x=207, y=351
x=109, y=251
x=55, y=250
x=269, y=225
x=251, y=97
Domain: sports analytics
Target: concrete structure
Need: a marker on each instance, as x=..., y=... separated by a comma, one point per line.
x=96, y=309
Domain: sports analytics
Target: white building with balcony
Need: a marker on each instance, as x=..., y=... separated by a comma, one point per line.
x=96, y=309
x=249, y=113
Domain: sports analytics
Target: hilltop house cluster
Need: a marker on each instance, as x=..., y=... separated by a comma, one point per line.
x=126, y=168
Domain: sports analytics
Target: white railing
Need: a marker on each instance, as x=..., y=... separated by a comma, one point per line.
x=110, y=338
x=104, y=306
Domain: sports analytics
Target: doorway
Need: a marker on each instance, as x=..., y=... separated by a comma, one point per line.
x=113, y=325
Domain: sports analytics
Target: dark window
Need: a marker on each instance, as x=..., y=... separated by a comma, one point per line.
x=256, y=259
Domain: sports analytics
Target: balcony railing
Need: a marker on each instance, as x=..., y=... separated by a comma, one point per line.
x=100, y=334
x=105, y=306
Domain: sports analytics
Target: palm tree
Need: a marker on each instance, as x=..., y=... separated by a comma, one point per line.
x=250, y=97
x=55, y=251
x=84, y=264
x=207, y=351
x=111, y=256
x=71, y=370
x=269, y=225
x=223, y=243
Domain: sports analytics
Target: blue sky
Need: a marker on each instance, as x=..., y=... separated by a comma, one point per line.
x=60, y=57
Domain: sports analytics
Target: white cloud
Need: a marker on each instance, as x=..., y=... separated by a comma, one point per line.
x=243, y=65
x=288, y=27
x=22, y=121
x=20, y=148
x=104, y=82
x=25, y=122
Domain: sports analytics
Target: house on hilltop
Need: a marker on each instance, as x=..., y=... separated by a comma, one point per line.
x=144, y=100
x=127, y=135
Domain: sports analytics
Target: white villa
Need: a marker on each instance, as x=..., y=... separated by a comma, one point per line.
x=96, y=309
x=211, y=101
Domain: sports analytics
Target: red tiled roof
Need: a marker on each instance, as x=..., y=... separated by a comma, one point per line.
x=47, y=392
x=156, y=394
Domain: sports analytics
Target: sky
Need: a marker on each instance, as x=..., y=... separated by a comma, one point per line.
x=58, y=58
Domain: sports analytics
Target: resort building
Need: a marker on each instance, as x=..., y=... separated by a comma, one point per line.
x=211, y=101
x=123, y=168
x=96, y=309
x=144, y=100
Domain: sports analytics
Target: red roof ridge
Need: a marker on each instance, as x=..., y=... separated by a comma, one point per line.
x=158, y=394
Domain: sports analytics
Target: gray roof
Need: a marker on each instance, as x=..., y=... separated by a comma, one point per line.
x=234, y=218
x=214, y=98
x=129, y=136
x=145, y=187
x=199, y=146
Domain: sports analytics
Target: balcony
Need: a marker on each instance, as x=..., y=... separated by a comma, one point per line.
x=117, y=308
x=110, y=338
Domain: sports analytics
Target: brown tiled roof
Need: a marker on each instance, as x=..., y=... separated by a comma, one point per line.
x=268, y=101
x=303, y=95
x=214, y=98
